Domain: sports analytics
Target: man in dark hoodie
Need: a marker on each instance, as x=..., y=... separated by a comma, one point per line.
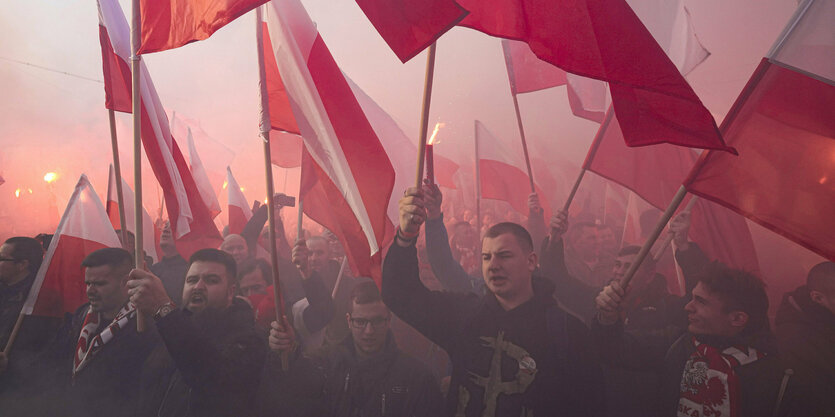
x=513, y=351
x=364, y=375
x=806, y=330
x=724, y=365
x=210, y=358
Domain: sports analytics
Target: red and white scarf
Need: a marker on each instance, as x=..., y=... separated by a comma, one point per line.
x=709, y=384
x=88, y=345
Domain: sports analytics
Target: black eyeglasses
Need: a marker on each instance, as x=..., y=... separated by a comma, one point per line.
x=376, y=323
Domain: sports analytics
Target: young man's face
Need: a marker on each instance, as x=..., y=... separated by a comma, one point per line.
x=507, y=269
x=707, y=316
x=207, y=286
x=624, y=262
x=369, y=325
x=585, y=242
x=10, y=268
x=107, y=288
x=253, y=283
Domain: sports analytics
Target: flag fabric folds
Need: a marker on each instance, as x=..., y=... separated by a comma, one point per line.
x=503, y=174
x=201, y=178
x=168, y=24
x=238, y=209
x=526, y=72
x=84, y=228
x=782, y=124
x=112, y=209
x=408, y=27
x=190, y=219
x=347, y=177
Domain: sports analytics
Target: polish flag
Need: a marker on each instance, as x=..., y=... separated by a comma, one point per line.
x=347, y=177
x=201, y=178
x=112, y=208
x=238, y=209
x=168, y=24
x=191, y=221
x=502, y=172
x=526, y=72
x=84, y=228
x=783, y=125
x=214, y=154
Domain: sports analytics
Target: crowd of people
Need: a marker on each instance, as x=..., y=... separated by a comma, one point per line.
x=543, y=325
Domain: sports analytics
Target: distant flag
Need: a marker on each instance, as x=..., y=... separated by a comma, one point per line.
x=408, y=27
x=190, y=219
x=238, y=208
x=502, y=172
x=168, y=24
x=347, y=178
x=783, y=125
x=198, y=172
x=214, y=154
x=112, y=209
x=526, y=72
x=84, y=228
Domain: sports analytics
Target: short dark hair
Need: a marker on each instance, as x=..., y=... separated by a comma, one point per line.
x=26, y=249
x=522, y=236
x=629, y=250
x=365, y=293
x=248, y=266
x=821, y=277
x=116, y=258
x=739, y=291
x=217, y=256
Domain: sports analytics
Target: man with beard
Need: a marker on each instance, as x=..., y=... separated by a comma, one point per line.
x=211, y=355
x=514, y=352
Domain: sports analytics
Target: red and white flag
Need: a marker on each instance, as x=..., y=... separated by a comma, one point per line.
x=214, y=154
x=191, y=221
x=502, y=172
x=168, y=24
x=238, y=209
x=84, y=228
x=112, y=208
x=783, y=126
x=526, y=72
x=207, y=192
x=347, y=177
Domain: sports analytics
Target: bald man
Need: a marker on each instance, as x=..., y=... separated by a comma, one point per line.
x=236, y=246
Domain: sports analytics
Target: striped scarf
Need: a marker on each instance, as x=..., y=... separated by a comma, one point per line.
x=89, y=344
x=709, y=384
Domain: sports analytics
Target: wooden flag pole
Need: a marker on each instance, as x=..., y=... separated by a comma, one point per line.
x=477, y=180
x=13, y=335
x=265, y=128
x=136, y=65
x=524, y=142
x=299, y=226
x=424, y=113
x=659, y=227
x=669, y=238
x=117, y=168
x=589, y=157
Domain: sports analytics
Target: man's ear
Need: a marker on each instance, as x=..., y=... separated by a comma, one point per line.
x=739, y=318
x=533, y=261
x=817, y=297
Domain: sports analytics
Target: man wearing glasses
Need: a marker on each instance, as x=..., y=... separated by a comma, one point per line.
x=364, y=375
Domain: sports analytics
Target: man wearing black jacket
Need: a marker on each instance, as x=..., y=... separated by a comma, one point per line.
x=364, y=375
x=211, y=355
x=513, y=351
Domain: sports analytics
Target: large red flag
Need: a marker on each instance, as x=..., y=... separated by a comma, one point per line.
x=502, y=172
x=347, y=178
x=190, y=219
x=783, y=125
x=112, y=208
x=603, y=40
x=237, y=207
x=410, y=26
x=84, y=228
x=168, y=24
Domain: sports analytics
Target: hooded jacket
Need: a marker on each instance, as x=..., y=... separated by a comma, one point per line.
x=534, y=360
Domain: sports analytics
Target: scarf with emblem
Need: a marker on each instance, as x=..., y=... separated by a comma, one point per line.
x=88, y=345
x=709, y=383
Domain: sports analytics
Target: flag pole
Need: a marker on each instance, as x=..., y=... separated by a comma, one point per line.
x=424, y=113
x=117, y=168
x=477, y=180
x=299, y=227
x=136, y=68
x=659, y=227
x=13, y=335
x=590, y=157
x=510, y=80
x=669, y=238
x=265, y=128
